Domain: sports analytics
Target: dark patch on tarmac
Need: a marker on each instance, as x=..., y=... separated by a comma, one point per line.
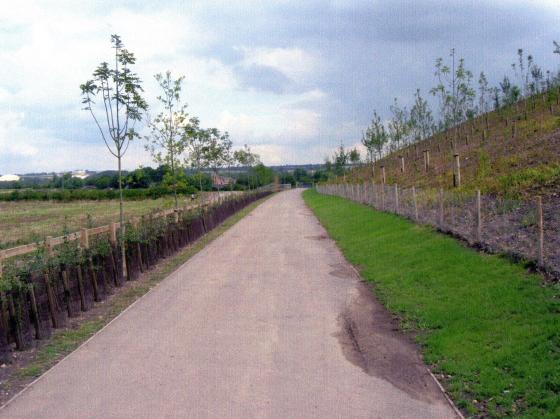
x=343, y=271
x=370, y=339
x=319, y=237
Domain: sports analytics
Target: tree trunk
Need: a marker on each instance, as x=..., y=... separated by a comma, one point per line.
x=121, y=219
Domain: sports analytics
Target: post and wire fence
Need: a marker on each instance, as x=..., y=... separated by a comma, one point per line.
x=526, y=230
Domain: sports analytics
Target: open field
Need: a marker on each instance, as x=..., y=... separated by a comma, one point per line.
x=25, y=222
x=489, y=330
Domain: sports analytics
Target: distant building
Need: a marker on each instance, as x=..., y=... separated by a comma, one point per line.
x=9, y=178
x=81, y=174
x=220, y=182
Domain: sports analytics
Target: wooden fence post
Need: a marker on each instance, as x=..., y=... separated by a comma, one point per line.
x=383, y=178
x=113, y=240
x=50, y=295
x=426, y=160
x=540, y=221
x=441, y=208
x=478, y=217
x=456, y=171
x=383, y=197
x=415, y=202
x=139, y=248
x=402, y=163
x=84, y=243
x=396, y=199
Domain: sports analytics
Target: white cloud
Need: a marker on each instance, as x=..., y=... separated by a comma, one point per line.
x=295, y=63
x=40, y=150
x=284, y=126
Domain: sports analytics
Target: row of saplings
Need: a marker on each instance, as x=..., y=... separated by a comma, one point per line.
x=48, y=287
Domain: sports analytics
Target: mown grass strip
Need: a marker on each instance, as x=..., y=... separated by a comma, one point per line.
x=65, y=341
x=489, y=327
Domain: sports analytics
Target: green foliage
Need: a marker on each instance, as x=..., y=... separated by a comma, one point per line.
x=493, y=329
x=531, y=178
x=153, y=192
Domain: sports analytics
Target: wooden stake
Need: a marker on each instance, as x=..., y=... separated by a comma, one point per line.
x=402, y=163
x=478, y=217
x=84, y=242
x=441, y=208
x=396, y=199
x=414, y=200
x=113, y=234
x=457, y=172
x=540, y=244
x=35, y=312
x=383, y=178
x=426, y=160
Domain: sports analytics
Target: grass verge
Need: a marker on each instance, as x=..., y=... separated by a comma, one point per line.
x=489, y=329
x=65, y=341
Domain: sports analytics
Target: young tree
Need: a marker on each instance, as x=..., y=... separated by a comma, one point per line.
x=167, y=140
x=340, y=160
x=196, y=141
x=421, y=120
x=464, y=94
x=354, y=156
x=510, y=93
x=368, y=142
x=380, y=137
x=483, y=94
x=216, y=153
x=398, y=126
x=246, y=158
x=456, y=95
x=118, y=92
x=443, y=94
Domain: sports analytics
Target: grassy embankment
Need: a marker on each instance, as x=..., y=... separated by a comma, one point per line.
x=492, y=158
x=489, y=328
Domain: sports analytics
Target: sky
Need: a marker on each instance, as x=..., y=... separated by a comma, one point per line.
x=292, y=79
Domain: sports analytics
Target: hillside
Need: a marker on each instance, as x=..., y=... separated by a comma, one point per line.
x=514, y=151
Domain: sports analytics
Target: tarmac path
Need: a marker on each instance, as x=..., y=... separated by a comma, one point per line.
x=267, y=321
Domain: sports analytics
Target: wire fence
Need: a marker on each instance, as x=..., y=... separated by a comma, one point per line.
x=527, y=230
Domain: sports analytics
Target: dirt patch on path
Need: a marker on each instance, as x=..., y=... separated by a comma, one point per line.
x=370, y=338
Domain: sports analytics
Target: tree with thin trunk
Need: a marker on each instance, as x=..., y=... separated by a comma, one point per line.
x=196, y=141
x=246, y=158
x=115, y=93
x=354, y=156
x=380, y=137
x=167, y=139
x=368, y=143
x=216, y=153
x=421, y=121
x=398, y=126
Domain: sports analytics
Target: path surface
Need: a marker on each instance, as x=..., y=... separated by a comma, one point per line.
x=267, y=322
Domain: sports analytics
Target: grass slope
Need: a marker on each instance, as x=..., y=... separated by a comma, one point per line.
x=490, y=328
x=525, y=164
